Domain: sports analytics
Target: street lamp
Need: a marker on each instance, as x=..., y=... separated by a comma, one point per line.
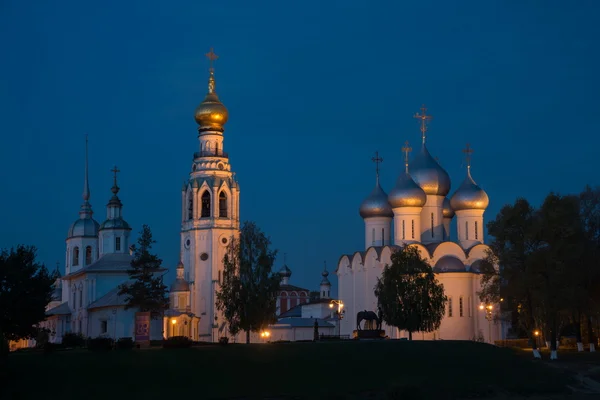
x=173, y=322
x=339, y=313
x=488, y=315
x=265, y=335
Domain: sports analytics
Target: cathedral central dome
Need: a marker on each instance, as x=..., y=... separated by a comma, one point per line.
x=429, y=174
x=211, y=114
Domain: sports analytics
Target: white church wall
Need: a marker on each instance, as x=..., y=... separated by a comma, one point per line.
x=458, y=286
x=377, y=231
x=113, y=322
x=432, y=229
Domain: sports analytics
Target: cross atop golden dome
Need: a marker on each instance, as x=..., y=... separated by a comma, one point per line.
x=211, y=114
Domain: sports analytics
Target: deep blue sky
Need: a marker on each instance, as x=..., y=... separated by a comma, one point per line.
x=313, y=89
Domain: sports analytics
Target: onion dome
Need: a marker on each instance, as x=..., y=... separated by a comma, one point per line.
x=211, y=114
x=180, y=284
x=114, y=209
x=469, y=196
x=447, y=211
x=85, y=226
x=429, y=174
x=285, y=272
x=376, y=204
x=325, y=280
x=407, y=193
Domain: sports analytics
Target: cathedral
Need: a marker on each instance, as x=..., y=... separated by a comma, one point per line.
x=418, y=212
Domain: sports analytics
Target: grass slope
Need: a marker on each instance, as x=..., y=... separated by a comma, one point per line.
x=441, y=369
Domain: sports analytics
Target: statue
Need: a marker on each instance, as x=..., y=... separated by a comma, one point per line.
x=368, y=316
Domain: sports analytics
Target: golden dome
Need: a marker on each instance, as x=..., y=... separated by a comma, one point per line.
x=211, y=114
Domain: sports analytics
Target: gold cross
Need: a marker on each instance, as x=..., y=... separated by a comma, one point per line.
x=211, y=58
x=468, y=151
x=424, y=120
x=377, y=160
x=115, y=170
x=406, y=149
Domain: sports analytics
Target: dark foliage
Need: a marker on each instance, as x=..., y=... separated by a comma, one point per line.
x=125, y=343
x=25, y=290
x=100, y=344
x=147, y=291
x=223, y=340
x=71, y=339
x=177, y=342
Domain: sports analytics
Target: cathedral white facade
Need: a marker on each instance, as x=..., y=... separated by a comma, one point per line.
x=417, y=212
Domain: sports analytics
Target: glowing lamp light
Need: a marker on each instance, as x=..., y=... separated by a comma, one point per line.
x=481, y=307
x=330, y=305
x=536, y=333
x=173, y=321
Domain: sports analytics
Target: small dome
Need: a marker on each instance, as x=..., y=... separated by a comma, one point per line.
x=447, y=211
x=469, y=196
x=449, y=264
x=429, y=174
x=407, y=193
x=116, y=223
x=376, y=205
x=325, y=280
x=57, y=293
x=285, y=272
x=476, y=267
x=211, y=114
x=87, y=227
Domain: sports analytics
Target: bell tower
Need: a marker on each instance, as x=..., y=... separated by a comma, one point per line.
x=209, y=212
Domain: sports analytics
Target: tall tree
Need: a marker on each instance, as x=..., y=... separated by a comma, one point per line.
x=147, y=291
x=248, y=294
x=513, y=247
x=588, y=270
x=25, y=291
x=408, y=294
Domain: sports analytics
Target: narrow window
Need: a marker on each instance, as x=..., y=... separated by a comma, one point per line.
x=190, y=206
x=431, y=224
x=222, y=205
x=467, y=230
x=373, y=237
x=403, y=236
x=449, y=306
x=205, y=205
x=88, y=255
x=80, y=298
x=383, y=236
x=74, y=300
x=476, y=235
x=80, y=331
x=117, y=244
x=103, y=326
x=76, y=256
x=413, y=228
x=460, y=306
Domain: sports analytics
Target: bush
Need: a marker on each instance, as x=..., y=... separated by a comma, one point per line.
x=100, y=344
x=125, y=343
x=223, y=340
x=4, y=349
x=177, y=342
x=73, y=340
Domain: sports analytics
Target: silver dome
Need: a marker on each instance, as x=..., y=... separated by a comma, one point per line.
x=325, y=280
x=285, y=272
x=469, y=196
x=428, y=174
x=447, y=211
x=116, y=223
x=376, y=205
x=87, y=227
x=407, y=193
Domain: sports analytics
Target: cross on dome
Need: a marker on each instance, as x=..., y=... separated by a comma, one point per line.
x=406, y=149
x=377, y=160
x=115, y=188
x=468, y=151
x=424, y=120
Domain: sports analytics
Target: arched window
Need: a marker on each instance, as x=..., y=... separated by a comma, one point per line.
x=403, y=235
x=222, y=205
x=283, y=303
x=431, y=224
x=190, y=205
x=76, y=256
x=373, y=237
x=293, y=299
x=467, y=230
x=413, y=228
x=205, y=205
x=476, y=235
x=88, y=255
x=460, y=306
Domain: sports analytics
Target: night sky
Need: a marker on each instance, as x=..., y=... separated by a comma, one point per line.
x=313, y=90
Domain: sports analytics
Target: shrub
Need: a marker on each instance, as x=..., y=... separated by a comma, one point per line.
x=125, y=343
x=73, y=340
x=177, y=342
x=100, y=344
x=4, y=349
x=42, y=338
x=223, y=340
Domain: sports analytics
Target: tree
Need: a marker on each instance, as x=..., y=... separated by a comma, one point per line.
x=513, y=248
x=25, y=291
x=147, y=291
x=248, y=294
x=409, y=295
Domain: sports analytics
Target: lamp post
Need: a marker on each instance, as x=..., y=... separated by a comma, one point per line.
x=488, y=315
x=265, y=335
x=339, y=313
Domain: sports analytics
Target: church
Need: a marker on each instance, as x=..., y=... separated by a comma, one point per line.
x=418, y=212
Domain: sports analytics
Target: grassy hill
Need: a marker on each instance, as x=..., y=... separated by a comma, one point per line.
x=330, y=370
